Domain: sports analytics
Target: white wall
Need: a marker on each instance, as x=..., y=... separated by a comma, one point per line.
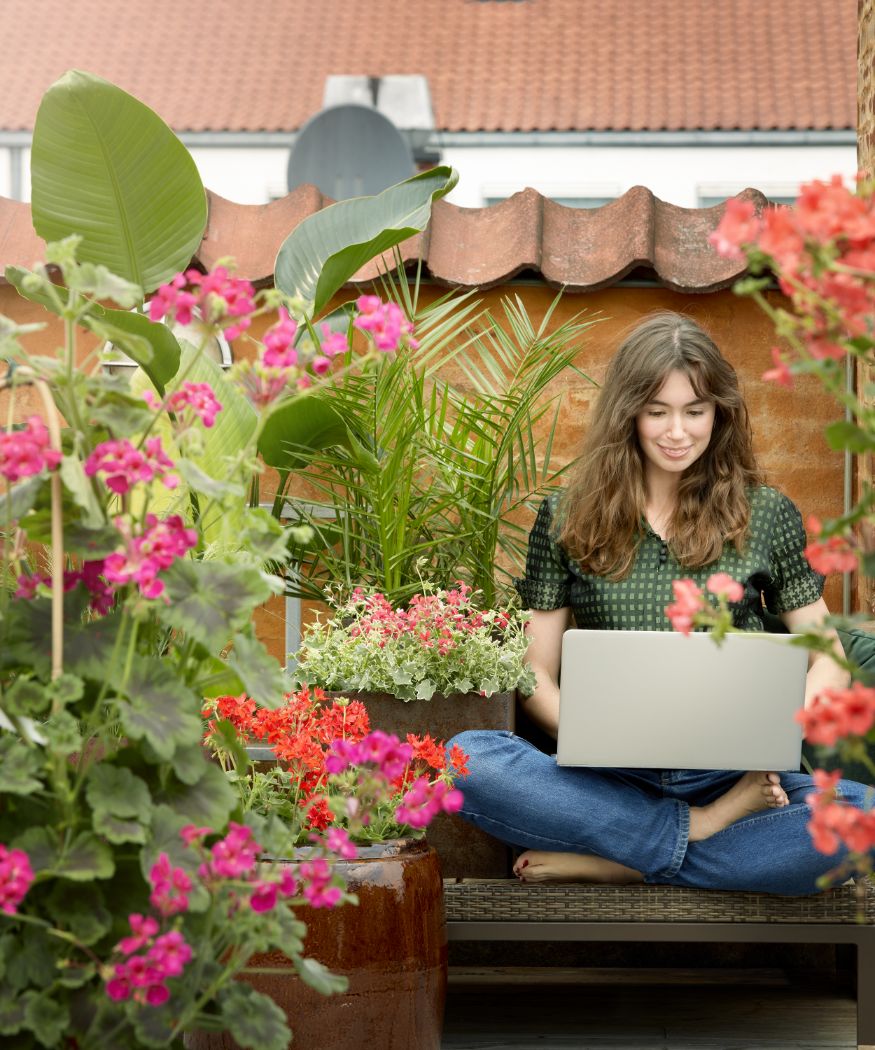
x=678, y=174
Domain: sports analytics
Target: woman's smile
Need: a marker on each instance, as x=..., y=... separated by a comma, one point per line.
x=674, y=428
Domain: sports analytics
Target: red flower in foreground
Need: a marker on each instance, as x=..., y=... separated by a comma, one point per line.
x=689, y=600
x=836, y=713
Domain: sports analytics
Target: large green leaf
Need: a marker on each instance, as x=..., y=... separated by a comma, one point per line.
x=307, y=424
x=153, y=346
x=321, y=254
x=105, y=166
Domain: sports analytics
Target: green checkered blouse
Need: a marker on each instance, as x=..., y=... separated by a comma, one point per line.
x=773, y=569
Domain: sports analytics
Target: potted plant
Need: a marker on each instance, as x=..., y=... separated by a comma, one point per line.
x=369, y=797
x=131, y=884
x=438, y=666
x=415, y=467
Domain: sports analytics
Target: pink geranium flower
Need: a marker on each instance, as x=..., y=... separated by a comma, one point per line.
x=123, y=465
x=16, y=876
x=26, y=452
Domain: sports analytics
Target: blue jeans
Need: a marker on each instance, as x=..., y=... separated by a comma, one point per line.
x=641, y=817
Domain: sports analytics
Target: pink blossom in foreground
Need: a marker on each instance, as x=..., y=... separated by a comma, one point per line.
x=385, y=323
x=195, y=399
x=834, y=823
x=233, y=856
x=123, y=465
x=382, y=750
x=26, y=452
x=90, y=575
x=146, y=555
x=738, y=226
x=16, y=875
x=170, y=887
x=424, y=800
x=143, y=977
x=278, y=339
x=338, y=841
x=837, y=713
x=221, y=299
x=316, y=877
x=780, y=373
x=332, y=343
x=722, y=584
x=689, y=600
x=835, y=554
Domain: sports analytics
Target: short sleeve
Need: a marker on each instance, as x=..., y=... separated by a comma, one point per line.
x=793, y=584
x=546, y=584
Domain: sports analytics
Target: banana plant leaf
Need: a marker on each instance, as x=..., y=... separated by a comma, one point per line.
x=107, y=167
x=321, y=254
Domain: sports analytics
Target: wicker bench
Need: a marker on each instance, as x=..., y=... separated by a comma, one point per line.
x=507, y=910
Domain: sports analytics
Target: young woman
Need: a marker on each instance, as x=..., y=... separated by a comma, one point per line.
x=667, y=487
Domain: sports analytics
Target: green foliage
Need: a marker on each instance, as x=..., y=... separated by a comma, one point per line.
x=108, y=169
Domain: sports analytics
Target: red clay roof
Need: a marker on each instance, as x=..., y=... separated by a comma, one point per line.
x=493, y=65
x=579, y=249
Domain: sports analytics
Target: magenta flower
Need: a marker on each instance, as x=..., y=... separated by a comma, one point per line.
x=234, y=855
x=144, y=556
x=195, y=399
x=221, y=299
x=170, y=887
x=338, y=841
x=192, y=833
x=169, y=954
x=333, y=343
x=16, y=875
x=124, y=466
x=278, y=340
x=26, y=452
x=316, y=876
x=143, y=928
x=264, y=896
x=385, y=323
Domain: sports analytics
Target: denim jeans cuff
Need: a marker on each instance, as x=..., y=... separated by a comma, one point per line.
x=680, y=850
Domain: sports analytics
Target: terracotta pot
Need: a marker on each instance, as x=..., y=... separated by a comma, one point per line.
x=465, y=852
x=392, y=948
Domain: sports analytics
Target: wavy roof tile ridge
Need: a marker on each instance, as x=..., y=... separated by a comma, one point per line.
x=578, y=249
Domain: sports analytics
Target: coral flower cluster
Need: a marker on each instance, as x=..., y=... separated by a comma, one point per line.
x=834, y=823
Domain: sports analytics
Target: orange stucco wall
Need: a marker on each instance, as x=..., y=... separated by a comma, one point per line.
x=788, y=424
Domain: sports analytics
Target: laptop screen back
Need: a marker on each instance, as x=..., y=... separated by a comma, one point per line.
x=663, y=700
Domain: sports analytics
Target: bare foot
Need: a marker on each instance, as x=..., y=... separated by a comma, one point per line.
x=755, y=791
x=535, y=866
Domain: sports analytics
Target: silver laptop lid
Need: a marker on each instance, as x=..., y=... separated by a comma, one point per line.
x=663, y=700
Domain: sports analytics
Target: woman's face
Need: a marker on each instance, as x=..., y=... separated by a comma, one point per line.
x=675, y=427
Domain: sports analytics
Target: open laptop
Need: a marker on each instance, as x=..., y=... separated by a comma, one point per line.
x=663, y=700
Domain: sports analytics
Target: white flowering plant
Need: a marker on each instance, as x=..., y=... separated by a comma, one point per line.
x=441, y=643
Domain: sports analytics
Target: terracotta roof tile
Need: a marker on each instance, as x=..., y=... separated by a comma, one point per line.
x=492, y=66
x=580, y=249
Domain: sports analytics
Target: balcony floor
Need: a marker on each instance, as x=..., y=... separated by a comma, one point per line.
x=647, y=1009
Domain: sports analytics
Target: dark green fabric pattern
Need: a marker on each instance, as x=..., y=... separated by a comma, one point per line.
x=773, y=569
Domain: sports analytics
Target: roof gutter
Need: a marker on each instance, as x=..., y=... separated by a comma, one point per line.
x=274, y=139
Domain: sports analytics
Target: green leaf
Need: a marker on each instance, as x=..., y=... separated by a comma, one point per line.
x=261, y=675
x=298, y=428
x=120, y=802
x=253, y=1019
x=121, y=414
x=26, y=697
x=201, y=482
x=211, y=600
x=327, y=248
x=320, y=977
x=79, y=486
x=20, y=767
x=162, y=709
x=84, y=859
x=41, y=845
x=106, y=167
x=47, y=1018
x=845, y=435
x=153, y=346
x=12, y=1008
x=62, y=732
x=216, y=678
x=81, y=909
x=207, y=803
x=36, y=287
x=91, y=544
x=264, y=536
x=18, y=500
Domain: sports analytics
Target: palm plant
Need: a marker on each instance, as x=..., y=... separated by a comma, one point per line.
x=413, y=475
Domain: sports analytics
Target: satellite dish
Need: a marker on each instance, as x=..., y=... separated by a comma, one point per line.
x=349, y=151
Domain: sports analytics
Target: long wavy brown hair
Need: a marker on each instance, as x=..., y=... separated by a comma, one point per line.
x=602, y=514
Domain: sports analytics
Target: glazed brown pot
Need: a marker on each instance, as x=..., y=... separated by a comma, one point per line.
x=465, y=852
x=391, y=947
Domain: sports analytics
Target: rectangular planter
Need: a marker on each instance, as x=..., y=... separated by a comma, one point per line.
x=464, y=851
